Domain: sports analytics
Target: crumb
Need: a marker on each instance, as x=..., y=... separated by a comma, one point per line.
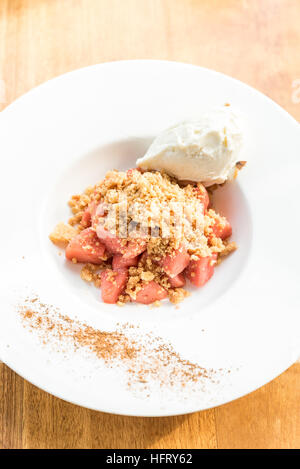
x=155, y=304
x=90, y=273
x=240, y=164
x=62, y=234
x=147, y=276
x=76, y=219
x=176, y=295
x=228, y=248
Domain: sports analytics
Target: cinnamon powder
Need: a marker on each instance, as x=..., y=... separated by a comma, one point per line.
x=145, y=357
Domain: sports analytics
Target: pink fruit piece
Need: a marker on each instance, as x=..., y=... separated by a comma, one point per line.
x=113, y=284
x=98, y=211
x=112, y=243
x=200, y=271
x=86, y=219
x=178, y=281
x=222, y=228
x=89, y=214
x=86, y=247
x=134, y=248
x=119, y=262
x=173, y=264
x=150, y=292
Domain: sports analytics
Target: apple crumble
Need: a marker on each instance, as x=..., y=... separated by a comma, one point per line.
x=142, y=234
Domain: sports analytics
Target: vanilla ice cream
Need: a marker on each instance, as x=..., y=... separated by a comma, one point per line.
x=204, y=150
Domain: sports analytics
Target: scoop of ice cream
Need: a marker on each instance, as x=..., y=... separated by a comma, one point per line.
x=204, y=150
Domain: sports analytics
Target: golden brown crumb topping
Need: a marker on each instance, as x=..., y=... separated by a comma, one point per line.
x=153, y=206
x=229, y=248
x=62, y=234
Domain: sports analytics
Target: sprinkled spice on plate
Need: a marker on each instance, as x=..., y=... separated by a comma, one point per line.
x=144, y=356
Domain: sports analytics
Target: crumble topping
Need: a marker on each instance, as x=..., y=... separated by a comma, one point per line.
x=150, y=205
x=229, y=247
x=176, y=295
x=62, y=234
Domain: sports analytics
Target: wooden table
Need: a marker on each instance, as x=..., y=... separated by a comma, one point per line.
x=257, y=41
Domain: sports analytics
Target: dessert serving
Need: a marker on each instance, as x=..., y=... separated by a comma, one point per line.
x=142, y=234
x=136, y=359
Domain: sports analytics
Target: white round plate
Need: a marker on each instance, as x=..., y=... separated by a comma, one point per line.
x=63, y=136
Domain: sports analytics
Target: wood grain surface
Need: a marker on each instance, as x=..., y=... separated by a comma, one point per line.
x=257, y=41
